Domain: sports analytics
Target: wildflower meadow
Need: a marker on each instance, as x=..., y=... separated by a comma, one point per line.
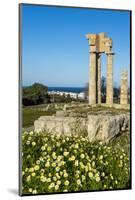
x=54, y=164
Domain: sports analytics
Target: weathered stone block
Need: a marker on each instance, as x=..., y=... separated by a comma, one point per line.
x=106, y=127
x=102, y=127
x=60, y=113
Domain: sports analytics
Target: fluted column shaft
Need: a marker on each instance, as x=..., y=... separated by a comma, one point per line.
x=99, y=78
x=124, y=88
x=92, y=78
x=109, y=86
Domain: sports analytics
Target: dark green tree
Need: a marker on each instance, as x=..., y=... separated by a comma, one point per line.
x=35, y=94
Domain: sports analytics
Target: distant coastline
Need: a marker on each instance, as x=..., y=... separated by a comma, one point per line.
x=67, y=89
x=63, y=89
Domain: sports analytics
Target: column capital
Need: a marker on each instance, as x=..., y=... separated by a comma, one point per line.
x=93, y=52
x=110, y=53
x=97, y=52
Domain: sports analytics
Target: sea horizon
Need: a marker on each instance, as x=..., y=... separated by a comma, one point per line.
x=63, y=89
x=67, y=89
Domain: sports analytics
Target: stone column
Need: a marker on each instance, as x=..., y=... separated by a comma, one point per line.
x=124, y=88
x=99, y=78
x=92, y=78
x=109, y=86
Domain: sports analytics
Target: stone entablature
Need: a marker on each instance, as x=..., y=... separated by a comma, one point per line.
x=99, y=43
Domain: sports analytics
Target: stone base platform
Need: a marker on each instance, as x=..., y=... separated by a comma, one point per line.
x=98, y=126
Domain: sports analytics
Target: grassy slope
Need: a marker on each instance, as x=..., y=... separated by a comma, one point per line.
x=122, y=141
x=30, y=114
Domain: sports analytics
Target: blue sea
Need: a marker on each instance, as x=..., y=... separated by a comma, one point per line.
x=67, y=89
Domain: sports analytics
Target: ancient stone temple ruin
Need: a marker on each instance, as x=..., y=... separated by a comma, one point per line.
x=95, y=122
x=99, y=44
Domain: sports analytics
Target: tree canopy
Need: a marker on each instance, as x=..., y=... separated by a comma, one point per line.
x=35, y=94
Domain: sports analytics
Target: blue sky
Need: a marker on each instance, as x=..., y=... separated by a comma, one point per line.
x=55, y=51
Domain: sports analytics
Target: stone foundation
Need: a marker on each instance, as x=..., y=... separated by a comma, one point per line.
x=98, y=126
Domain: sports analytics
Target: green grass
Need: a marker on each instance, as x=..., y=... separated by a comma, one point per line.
x=98, y=109
x=32, y=113
x=122, y=141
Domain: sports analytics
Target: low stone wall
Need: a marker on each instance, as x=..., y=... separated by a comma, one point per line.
x=101, y=127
